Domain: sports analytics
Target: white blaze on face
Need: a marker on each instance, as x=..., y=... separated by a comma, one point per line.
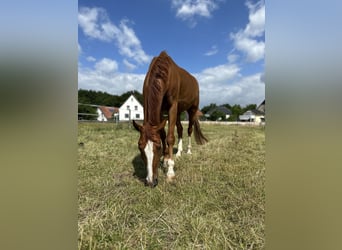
x=149, y=156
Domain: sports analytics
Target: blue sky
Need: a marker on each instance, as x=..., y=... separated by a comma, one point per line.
x=220, y=42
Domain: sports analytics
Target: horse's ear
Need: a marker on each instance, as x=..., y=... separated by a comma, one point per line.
x=161, y=125
x=137, y=126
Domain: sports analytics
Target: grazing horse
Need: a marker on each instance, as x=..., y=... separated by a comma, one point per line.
x=168, y=89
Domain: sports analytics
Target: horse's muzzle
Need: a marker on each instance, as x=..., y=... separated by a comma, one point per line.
x=151, y=184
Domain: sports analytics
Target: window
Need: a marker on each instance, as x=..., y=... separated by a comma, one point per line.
x=136, y=107
x=127, y=116
x=127, y=106
x=137, y=116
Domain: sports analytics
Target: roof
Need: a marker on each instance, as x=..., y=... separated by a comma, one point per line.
x=261, y=107
x=108, y=111
x=222, y=109
x=254, y=112
x=136, y=99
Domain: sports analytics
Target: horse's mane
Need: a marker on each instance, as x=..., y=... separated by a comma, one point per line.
x=157, y=78
x=160, y=68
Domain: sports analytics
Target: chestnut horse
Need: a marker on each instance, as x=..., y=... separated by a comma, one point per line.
x=168, y=89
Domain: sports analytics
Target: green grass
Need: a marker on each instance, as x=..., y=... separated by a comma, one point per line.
x=216, y=202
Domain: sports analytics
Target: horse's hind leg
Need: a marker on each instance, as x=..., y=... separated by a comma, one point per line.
x=180, y=135
x=192, y=113
x=189, y=139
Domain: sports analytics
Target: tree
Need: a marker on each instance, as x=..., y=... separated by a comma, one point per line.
x=217, y=116
x=86, y=112
x=206, y=109
x=105, y=99
x=249, y=107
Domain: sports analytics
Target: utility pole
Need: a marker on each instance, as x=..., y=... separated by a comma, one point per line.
x=129, y=117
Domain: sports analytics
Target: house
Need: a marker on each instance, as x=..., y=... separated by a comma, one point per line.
x=131, y=109
x=256, y=115
x=105, y=113
x=261, y=107
x=252, y=116
x=221, y=112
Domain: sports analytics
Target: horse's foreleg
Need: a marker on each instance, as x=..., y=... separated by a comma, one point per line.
x=189, y=143
x=180, y=135
x=171, y=140
x=165, y=149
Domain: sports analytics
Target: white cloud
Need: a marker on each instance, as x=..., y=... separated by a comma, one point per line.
x=232, y=58
x=237, y=90
x=91, y=59
x=219, y=75
x=253, y=49
x=225, y=84
x=91, y=21
x=129, y=45
x=106, y=65
x=212, y=51
x=105, y=77
x=246, y=40
x=96, y=24
x=256, y=25
x=187, y=10
x=129, y=66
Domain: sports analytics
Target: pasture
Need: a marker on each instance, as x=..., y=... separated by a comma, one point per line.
x=216, y=202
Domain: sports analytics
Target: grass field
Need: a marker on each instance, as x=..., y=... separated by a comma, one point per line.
x=216, y=202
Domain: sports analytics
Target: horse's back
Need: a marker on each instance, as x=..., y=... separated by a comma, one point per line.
x=178, y=84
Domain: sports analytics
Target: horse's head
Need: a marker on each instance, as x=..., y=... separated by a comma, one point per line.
x=150, y=149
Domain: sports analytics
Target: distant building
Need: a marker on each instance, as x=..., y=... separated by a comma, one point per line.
x=220, y=110
x=262, y=107
x=131, y=110
x=107, y=113
x=256, y=115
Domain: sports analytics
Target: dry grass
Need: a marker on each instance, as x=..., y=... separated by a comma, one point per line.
x=217, y=201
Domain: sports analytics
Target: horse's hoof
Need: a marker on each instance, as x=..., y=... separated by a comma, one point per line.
x=152, y=184
x=155, y=182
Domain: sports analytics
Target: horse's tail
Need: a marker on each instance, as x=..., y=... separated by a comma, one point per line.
x=199, y=137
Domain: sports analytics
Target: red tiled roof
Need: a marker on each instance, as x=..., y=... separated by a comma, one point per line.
x=109, y=111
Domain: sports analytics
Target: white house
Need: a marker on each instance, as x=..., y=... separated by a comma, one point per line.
x=256, y=115
x=131, y=109
x=252, y=116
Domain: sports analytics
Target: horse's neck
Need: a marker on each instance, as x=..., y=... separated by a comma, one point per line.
x=152, y=109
